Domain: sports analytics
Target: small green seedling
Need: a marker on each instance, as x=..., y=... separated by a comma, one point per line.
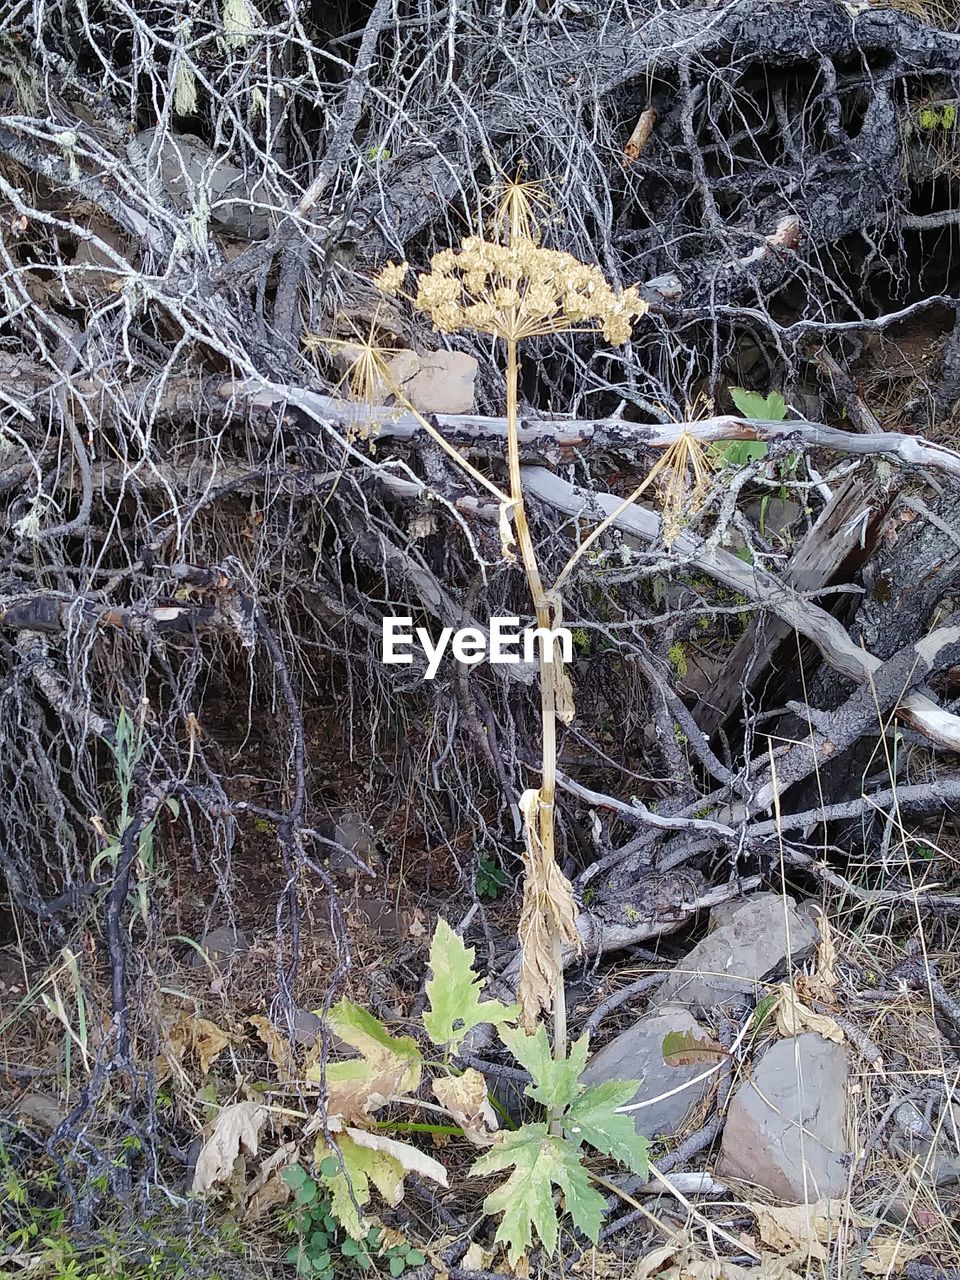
x=322, y=1248
x=491, y=879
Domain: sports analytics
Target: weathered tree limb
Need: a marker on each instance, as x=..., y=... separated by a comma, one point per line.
x=864, y=712
x=553, y=437
x=827, y=634
x=52, y=614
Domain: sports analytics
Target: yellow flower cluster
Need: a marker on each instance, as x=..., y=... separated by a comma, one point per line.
x=517, y=291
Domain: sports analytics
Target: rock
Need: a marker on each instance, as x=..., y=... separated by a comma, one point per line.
x=350, y=835
x=41, y=1109
x=927, y=1150
x=302, y=1027
x=773, y=515
x=748, y=941
x=637, y=1054
x=384, y=918
x=789, y=1120
x=220, y=944
x=195, y=177
x=440, y=382
x=91, y=282
x=404, y=366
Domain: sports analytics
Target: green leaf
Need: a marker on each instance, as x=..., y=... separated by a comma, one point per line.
x=397, y=1266
x=593, y=1118
x=349, y=1248
x=454, y=992
x=684, y=1049
x=555, y=1083
x=415, y=1258
x=763, y=1010
x=540, y=1161
x=771, y=408
x=739, y=452
x=367, y=1034
x=350, y=1188
x=330, y=1166
x=306, y=1192
x=757, y=408
x=294, y=1176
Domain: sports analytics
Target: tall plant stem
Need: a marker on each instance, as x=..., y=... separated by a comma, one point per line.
x=548, y=710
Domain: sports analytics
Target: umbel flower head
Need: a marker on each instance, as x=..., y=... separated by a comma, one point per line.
x=516, y=291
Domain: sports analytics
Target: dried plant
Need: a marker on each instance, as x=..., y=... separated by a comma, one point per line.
x=514, y=291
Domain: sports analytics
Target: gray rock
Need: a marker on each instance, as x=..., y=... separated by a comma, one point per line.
x=195, y=177
x=40, y=1109
x=748, y=941
x=350, y=835
x=637, y=1054
x=302, y=1027
x=220, y=944
x=785, y=1126
x=773, y=515
x=444, y=383
x=928, y=1151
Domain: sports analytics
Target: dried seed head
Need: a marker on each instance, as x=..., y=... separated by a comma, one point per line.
x=368, y=376
x=390, y=279
x=520, y=206
x=520, y=290
x=684, y=474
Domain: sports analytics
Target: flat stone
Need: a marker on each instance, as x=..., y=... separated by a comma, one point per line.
x=404, y=366
x=350, y=834
x=774, y=515
x=92, y=283
x=383, y=917
x=785, y=1126
x=443, y=383
x=928, y=1151
x=637, y=1054
x=40, y=1109
x=220, y=944
x=748, y=941
x=195, y=177
x=303, y=1027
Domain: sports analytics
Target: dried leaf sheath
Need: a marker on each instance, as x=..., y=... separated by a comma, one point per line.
x=548, y=915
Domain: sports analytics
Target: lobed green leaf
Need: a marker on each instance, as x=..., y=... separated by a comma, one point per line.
x=454, y=992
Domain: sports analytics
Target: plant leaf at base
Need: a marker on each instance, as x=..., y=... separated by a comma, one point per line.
x=349, y=1187
x=594, y=1118
x=390, y=1065
x=555, y=1082
x=454, y=992
x=684, y=1049
x=540, y=1161
x=771, y=408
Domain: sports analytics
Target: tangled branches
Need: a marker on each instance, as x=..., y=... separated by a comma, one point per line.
x=198, y=541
